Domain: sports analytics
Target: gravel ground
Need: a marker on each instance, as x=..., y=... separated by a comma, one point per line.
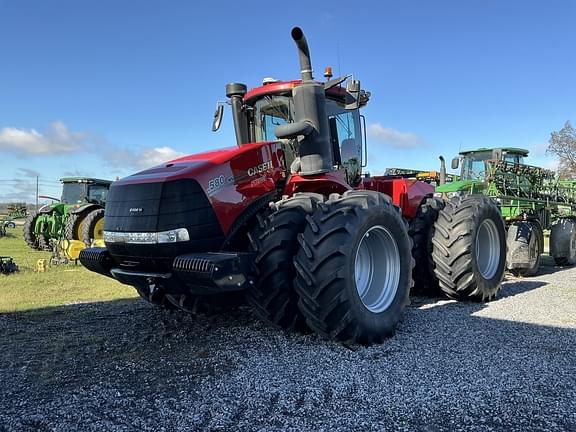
x=123, y=366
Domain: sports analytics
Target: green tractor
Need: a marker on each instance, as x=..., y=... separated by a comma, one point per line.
x=78, y=215
x=531, y=199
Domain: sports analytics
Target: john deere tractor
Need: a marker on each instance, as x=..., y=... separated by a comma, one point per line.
x=77, y=215
x=531, y=199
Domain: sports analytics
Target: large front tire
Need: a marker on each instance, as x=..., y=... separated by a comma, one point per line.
x=469, y=248
x=525, y=242
x=354, y=268
x=420, y=231
x=273, y=296
x=74, y=226
x=563, y=241
x=93, y=226
x=30, y=236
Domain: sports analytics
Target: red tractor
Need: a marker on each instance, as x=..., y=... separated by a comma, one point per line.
x=287, y=218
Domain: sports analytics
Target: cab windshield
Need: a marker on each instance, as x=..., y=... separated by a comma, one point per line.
x=73, y=193
x=269, y=112
x=474, y=165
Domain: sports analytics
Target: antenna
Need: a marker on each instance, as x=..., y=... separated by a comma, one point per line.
x=338, y=57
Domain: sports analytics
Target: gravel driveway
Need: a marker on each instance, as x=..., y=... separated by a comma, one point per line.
x=126, y=366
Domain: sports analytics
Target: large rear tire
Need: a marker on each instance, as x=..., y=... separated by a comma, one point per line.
x=273, y=296
x=563, y=241
x=421, y=230
x=525, y=241
x=469, y=248
x=354, y=268
x=74, y=226
x=93, y=226
x=30, y=236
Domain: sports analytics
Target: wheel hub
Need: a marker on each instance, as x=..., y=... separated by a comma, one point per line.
x=487, y=249
x=377, y=269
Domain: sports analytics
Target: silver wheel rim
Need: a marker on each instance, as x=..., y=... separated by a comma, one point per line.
x=377, y=269
x=487, y=249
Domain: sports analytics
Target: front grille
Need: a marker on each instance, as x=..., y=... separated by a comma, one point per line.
x=152, y=207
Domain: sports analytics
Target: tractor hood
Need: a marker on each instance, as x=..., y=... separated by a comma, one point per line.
x=192, y=165
x=210, y=188
x=460, y=185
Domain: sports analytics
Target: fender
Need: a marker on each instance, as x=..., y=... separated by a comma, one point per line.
x=83, y=207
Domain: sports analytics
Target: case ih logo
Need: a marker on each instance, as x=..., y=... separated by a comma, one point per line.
x=135, y=210
x=263, y=167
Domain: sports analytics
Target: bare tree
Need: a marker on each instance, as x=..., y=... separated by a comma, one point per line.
x=563, y=145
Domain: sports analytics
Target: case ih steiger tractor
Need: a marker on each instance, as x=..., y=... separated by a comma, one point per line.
x=287, y=217
x=78, y=215
x=531, y=199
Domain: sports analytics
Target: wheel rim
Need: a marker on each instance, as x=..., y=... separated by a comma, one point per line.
x=79, y=229
x=487, y=249
x=377, y=269
x=98, y=229
x=534, y=247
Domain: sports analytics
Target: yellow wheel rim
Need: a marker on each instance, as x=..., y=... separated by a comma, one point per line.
x=98, y=229
x=80, y=229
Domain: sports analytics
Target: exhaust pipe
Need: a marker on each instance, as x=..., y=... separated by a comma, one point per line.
x=303, y=54
x=236, y=92
x=310, y=119
x=442, y=170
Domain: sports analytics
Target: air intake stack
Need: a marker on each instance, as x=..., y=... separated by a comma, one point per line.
x=310, y=121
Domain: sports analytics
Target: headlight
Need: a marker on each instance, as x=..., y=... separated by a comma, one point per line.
x=171, y=236
x=438, y=194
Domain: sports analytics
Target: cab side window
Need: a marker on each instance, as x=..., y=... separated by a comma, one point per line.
x=348, y=139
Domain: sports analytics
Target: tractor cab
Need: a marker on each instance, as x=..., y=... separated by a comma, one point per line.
x=474, y=162
x=80, y=190
x=475, y=168
x=259, y=111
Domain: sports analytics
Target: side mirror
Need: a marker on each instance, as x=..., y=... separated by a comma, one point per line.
x=217, y=117
x=353, y=96
x=455, y=163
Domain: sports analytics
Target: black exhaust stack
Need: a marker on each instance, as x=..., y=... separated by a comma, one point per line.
x=236, y=92
x=310, y=121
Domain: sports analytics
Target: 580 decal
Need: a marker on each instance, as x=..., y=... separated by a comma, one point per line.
x=216, y=184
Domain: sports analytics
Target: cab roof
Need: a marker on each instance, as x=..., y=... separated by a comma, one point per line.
x=285, y=87
x=84, y=180
x=514, y=150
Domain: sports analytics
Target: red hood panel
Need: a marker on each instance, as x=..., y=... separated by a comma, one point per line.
x=232, y=178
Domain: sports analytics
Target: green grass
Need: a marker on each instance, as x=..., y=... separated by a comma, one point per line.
x=58, y=285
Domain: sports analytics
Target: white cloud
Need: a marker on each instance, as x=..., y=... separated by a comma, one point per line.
x=26, y=172
x=156, y=156
x=134, y=159
x=393, y=137
x=57, y=140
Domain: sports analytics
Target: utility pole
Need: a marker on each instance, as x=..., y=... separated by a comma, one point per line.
x=37, y=193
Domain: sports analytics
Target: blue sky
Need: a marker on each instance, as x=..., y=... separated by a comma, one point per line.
x=104, y=88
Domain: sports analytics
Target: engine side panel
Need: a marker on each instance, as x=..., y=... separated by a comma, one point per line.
x=405, y=193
